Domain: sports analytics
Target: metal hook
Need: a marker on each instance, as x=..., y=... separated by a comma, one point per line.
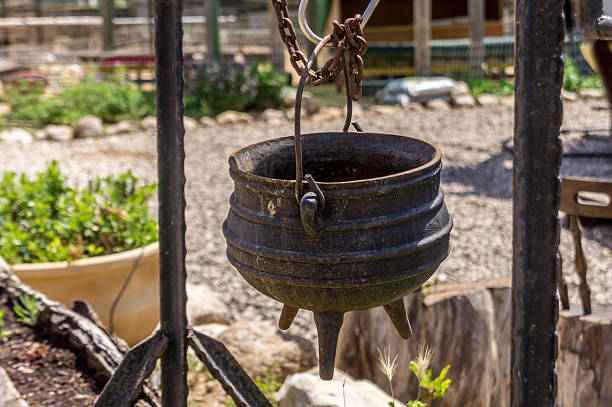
x=314, y=38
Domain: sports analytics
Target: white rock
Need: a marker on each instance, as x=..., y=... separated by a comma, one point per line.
x=206, y=121
x=190, y=124
x=59, y=133
x=212, y=330
x=273, y=116
x=40, y=134
x=259, y=346
x=383, y=110
x=149, y=123
x=329, y=113
x=5, y=109
x=414, y=106
x=89, y=126
x=461, y=88
x=307, y=390
x=438, y=104
x=9, y=396
x=569, y=96
x=122, y=127
x=508, y=101
x=486, y=99
x=590, y=94
x=204, y=306
x=231, y=117
x=465, y=100
x=16, y=135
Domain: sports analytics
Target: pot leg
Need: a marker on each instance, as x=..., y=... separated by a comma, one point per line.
x=328, y=329
x=286, y=317
x=397, y=314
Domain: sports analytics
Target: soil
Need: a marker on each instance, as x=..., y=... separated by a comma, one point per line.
x=44, y=373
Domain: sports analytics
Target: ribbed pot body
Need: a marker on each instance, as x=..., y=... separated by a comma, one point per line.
x=384, y=228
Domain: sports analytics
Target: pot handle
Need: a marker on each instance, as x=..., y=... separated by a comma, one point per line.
x=313, y=202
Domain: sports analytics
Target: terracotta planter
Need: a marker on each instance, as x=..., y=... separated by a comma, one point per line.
x=98, y=280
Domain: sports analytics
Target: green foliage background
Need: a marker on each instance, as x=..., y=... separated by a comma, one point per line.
x=44, y=220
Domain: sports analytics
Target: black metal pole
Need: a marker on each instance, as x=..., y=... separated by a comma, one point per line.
x=171, y=176
x=537, y=157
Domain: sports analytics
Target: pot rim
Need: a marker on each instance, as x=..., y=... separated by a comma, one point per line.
x=89, y=264
x=433, y=163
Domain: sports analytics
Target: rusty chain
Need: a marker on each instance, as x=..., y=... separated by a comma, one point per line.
x=347, y=37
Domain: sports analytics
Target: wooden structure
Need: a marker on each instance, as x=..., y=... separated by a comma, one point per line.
x=394, y=20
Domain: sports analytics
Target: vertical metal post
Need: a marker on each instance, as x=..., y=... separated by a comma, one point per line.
x=171, y=177
x=108, y=12
x=539, y=28
x=213, y=50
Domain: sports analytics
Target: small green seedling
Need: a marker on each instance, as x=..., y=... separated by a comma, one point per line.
x=27, y=309
x=4, y=334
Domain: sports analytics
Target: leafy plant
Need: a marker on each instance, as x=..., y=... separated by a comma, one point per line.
x=499, y=88
x=575, y=81
x=416, y=403
x=27, y=309
x=44, y=220
x=4, y=334
x=112, y=100
x=268, y=384
x=218, y=87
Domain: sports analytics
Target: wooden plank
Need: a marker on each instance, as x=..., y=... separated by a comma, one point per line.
x=404, y=33
x=422, y=35
x=476, y=14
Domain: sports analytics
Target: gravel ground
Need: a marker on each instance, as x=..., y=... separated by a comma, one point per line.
x=477, y=179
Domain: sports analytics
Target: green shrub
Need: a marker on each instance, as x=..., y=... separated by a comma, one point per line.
x=267, y=384
x=112, y=100
x=43, y=219
x=574, y=81
x=219, y=87
x=499, y=88
x=27, y=309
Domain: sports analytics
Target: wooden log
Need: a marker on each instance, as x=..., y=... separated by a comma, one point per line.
x=467, y=323
x=584, y=364
x=422, y=36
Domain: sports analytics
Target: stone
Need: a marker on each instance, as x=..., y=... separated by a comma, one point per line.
x=569, y=96
x=590, y=94
x=231, y=117
x=487, y=99
x=149, y=123
x=5, y=109
x=469, y=324
x=385, y=110
x=464, y=101
x=415, y=107
x=9, y=396
x=584, y=363
x=260, y=346
x=40, y=134
x=273, y=116
x=206, y=121
x=213, y=330
x=328, y=114
x=310, y=105
x=89, y=126
x=16, y=135
x=190, y=124
x=122, y=127
x=59, y=133
x=205, y=306
x=307, y=390
x=461, y=88
x=438, y=104
x=508, y=101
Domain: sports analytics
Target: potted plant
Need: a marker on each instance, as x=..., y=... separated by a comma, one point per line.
x=97, y=244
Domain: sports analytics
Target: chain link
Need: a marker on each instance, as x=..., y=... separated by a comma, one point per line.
x=347, y=37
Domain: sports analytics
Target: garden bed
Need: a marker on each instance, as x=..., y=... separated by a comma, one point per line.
x=44, y=371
